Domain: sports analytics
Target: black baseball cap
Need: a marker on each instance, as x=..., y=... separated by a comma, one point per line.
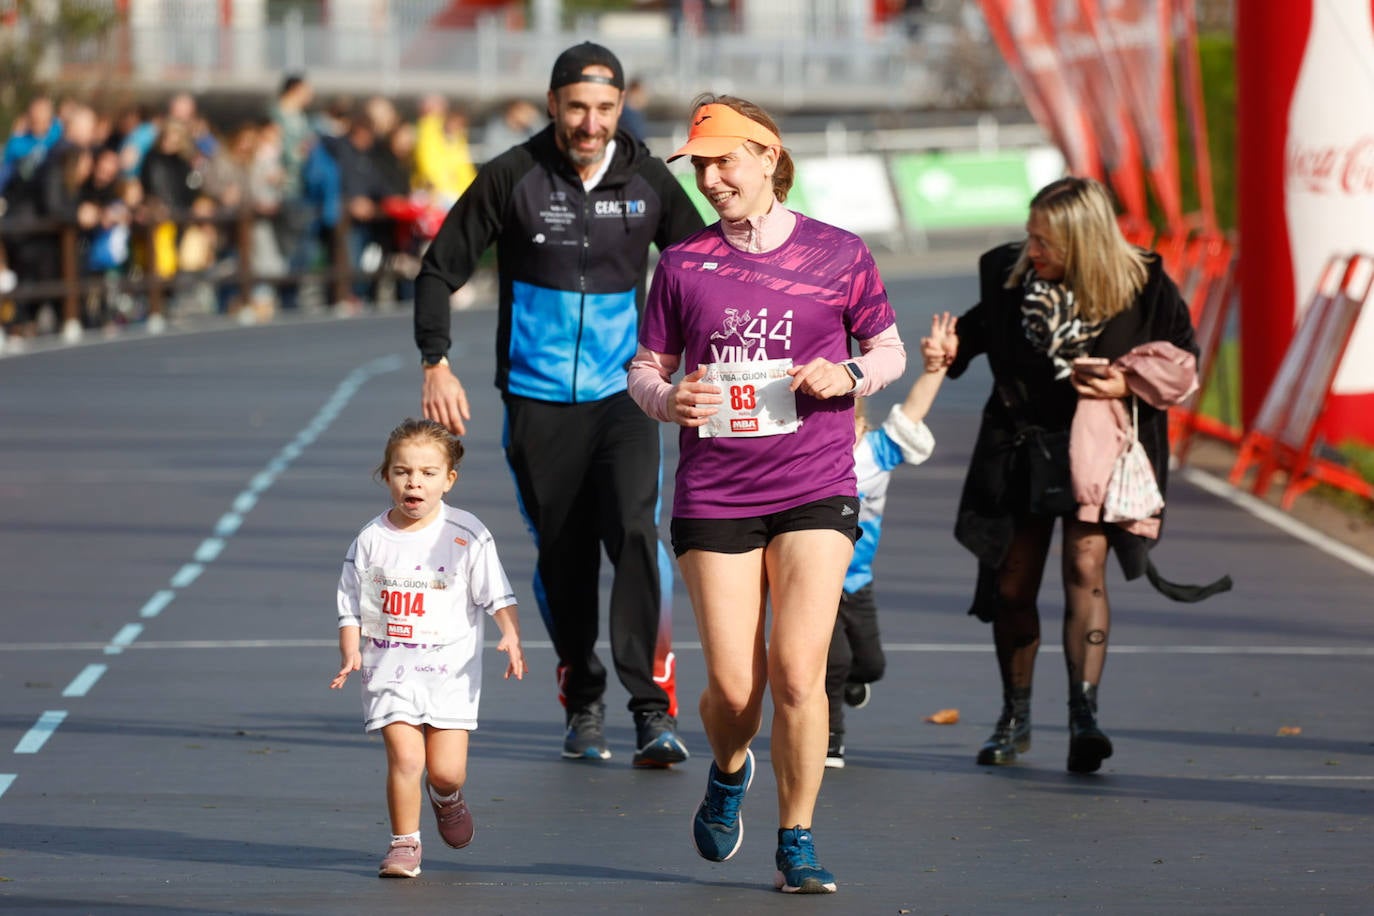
x=570, y=64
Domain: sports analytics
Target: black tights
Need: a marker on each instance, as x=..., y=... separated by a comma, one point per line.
x=1087, y=616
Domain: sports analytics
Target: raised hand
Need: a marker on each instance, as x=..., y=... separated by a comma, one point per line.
x=939, y=349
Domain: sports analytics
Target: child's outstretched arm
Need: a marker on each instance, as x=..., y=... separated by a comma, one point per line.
x=937, y=352
x=350, y=659
x=510, y=641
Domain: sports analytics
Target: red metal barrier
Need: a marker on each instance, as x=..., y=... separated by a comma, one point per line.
x=1284, y=434
x=1211, y=296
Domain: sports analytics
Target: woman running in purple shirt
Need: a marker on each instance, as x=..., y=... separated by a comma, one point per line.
x=760, y=308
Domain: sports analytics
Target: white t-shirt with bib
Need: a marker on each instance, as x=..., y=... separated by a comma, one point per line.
x=421, y=599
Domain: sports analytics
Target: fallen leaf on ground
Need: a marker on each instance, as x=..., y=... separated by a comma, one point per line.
x=1287, y=730
x=944, y=717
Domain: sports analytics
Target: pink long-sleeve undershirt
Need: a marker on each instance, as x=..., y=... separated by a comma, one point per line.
x=882, y=359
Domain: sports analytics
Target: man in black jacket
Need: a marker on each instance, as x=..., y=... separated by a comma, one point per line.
x=572, y=212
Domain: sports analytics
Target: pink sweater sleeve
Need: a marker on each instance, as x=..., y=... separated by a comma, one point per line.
x=1159, y=372
x=882, y=359
x=648, y=382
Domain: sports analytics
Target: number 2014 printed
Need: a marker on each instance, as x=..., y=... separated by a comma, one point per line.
x=403, y=604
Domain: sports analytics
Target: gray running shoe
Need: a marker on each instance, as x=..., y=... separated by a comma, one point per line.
x=586, y=737
x=656, y=740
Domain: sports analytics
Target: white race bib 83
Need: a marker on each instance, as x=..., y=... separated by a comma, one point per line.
x=757, y=399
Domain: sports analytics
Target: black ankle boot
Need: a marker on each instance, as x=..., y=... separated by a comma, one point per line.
x=1012, y=734
x=1088, y=744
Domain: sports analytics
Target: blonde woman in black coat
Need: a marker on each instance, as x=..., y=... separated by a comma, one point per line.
x=1074, y=288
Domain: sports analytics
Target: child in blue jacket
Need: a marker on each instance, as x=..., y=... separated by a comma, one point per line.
x=856, y=652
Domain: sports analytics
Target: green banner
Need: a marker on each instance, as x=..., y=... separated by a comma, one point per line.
x=947, y=190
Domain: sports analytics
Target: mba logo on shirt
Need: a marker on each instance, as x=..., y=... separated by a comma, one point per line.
x=621, y=208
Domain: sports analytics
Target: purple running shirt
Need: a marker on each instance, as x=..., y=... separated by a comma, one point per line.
x=711, y=302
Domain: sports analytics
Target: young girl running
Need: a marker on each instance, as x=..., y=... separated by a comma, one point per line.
x=417, y=585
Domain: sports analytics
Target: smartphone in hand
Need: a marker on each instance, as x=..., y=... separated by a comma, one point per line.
x=1094, y=366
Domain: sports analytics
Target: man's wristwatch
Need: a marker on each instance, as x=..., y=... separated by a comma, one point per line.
x=429, y=362
x=854, y=372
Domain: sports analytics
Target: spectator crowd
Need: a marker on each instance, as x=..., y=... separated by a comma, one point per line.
x=300, y=206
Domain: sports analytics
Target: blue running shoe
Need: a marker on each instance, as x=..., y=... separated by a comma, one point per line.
x=798, y=870
x=717, y=828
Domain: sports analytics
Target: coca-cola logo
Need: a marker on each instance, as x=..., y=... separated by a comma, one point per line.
x=1333, y=168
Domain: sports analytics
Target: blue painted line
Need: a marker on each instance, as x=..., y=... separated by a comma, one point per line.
x=157, y=603
x=228, y=523
x=126, y=635
x=209, y=549
x=83, y=682
x=187, y=574
x=42, y=730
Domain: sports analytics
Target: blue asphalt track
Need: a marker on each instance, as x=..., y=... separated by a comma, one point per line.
x=173, y=513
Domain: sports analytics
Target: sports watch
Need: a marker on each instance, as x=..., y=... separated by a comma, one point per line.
x=855, y=373
x=429, y=362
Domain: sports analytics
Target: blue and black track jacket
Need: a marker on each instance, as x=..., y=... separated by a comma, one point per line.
x=571, y=262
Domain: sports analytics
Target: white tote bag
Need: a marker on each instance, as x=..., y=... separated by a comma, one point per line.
x=1132, y=491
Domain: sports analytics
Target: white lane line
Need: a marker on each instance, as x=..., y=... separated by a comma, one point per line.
x=1310, y=779
x=42, y=730
x=84, y=681
x=6, y=780
x=1325, y=651
x=1279, y=519
x=155, y=604
x=1350, y=651
x=124, y=638
x=933, y=648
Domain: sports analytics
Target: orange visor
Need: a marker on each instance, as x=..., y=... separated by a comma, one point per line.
x=718, y=129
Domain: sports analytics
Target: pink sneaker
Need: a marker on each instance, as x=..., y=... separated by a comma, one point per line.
x=454, y=819
x=402, y=860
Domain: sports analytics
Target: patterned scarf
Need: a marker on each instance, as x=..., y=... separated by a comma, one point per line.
x=1052, y=324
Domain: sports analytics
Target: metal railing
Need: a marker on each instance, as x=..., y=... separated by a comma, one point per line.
x=140, y=276
x=785, y=70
